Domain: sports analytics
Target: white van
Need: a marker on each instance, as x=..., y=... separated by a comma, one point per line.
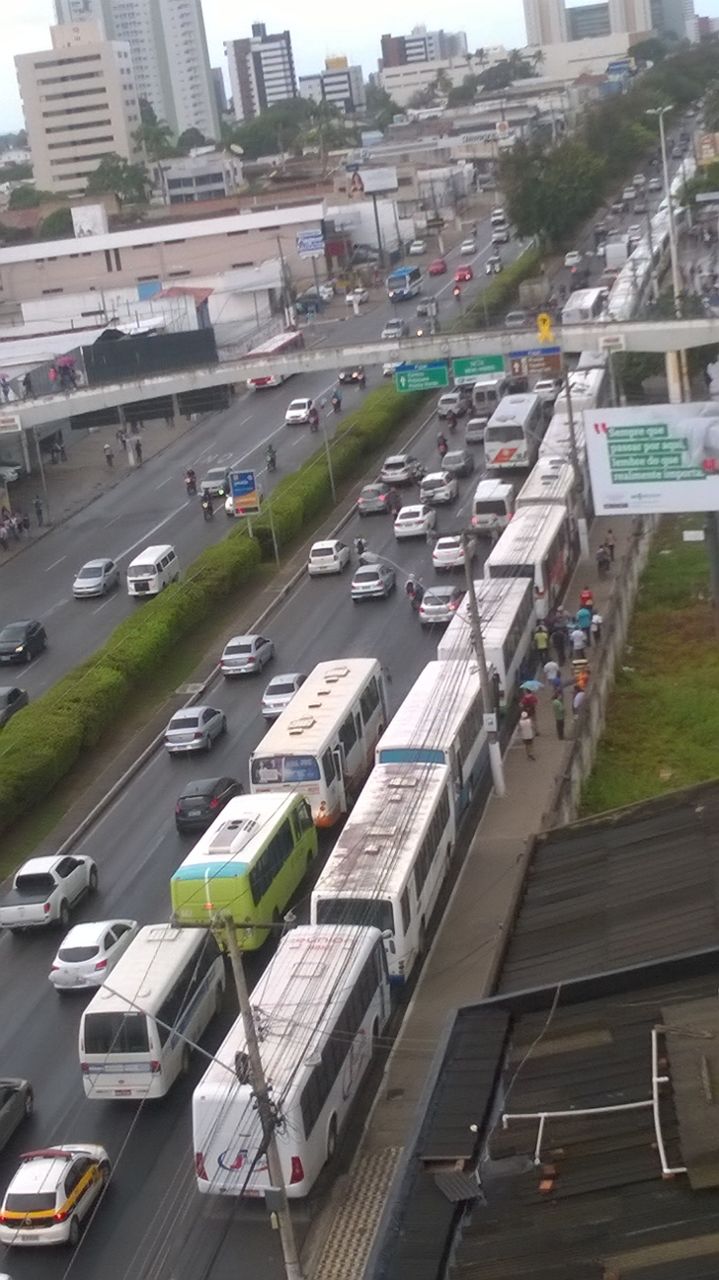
x=153, y=570
x=493, y=505
x=487, y=393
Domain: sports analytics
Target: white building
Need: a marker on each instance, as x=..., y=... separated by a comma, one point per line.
x=262, y=71
x=630, y=16
x=404, y=81
x=546, y=22
x=339, y=84
x=422, y=45
x=206, y=174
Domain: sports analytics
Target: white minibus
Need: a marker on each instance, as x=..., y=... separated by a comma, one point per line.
x=153, y=570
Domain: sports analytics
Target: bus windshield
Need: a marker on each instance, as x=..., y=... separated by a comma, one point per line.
x=367, y=912
x=271, y=770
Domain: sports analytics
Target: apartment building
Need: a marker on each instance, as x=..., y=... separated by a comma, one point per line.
x=422, y=45
x=545, y=21
x=339, y=84
x=262, y=71
x=80, y=104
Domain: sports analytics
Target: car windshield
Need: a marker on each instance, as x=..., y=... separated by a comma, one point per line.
x=30, y=1202
x=447, y=544
x=490, y=509
x=371, y=491
x=141, y=570
x=453, y=459
x=367, y=575
x=186, y=720
x=73, y=955
x=240, y=646
x=437, y=597
x=272, y=770
x=203, y=787
x=14, y=631
x=216, y=473
x=279, y=688
x=91, y=571
x=395, y=464
x=410, y=513
x=117, y=1033
x=436, y=482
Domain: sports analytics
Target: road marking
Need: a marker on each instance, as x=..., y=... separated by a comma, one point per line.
x=55, y=563
x=162, y=483
x=104, y=604
x=160, y=525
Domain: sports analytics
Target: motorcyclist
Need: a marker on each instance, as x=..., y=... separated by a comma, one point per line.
x=314, y=418
x=190, y=481
x=442, y=445
x=360, y=546
x=271, y=457
x=336, y=401
x=361, y=378
x=208, y=507
x=394, y=501
x=452, y=420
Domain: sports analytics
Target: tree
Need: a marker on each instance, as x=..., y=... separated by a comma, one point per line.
x=189, y=139
x=463, y=94
x=650, y=50
x=27, y=197
x=57, y=225
x=15, y=172
x=147, y=112
x=156, y=140
x=550, y=189
x=114, y=174
x=381, y=108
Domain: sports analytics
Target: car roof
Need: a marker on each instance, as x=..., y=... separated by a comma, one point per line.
x=397, y=457
x=441, y=589
x=250, y=635
x=91, y=931
x=38, y=866
x=19, y=622
x=326, y=542
x=200, y=706
x=373, y=568
x=41, y=1174
x=412, y=508
x=284, y=677
x=97, y=564
x=435, y=475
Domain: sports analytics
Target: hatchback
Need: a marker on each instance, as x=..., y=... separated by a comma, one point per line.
x=458, y=462
x=245, y=655
x=414, y=522
x=200, y=801
x=395, y=328
x=500, y=235
x=96, y=578
x=468, y=246
x=448, y=552
x=52, y=1195
x=438, y=487
x=298, y=412
x=22, y=641
x=372, y=581
x=328, y=557
x=573, y=258
x=417, y=247
x=439, y=605
x=374, y=499
x=628, y=194
x=474, y=430
x=462, y=274
x=437, y=268
x=280, y=692
x=194, y=729
x=89, y=952
x=655, y=184
x=516, y=320
x=11, y=700
x=401, y=468
x=216, y=481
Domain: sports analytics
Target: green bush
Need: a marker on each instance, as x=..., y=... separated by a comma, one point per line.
x=38, y=749
x=93, y=695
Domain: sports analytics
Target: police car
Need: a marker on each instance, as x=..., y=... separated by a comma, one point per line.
x=52, y=1195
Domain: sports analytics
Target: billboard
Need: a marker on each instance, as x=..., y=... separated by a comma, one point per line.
x=310, y=243
x=370, y=182
x=661, y=458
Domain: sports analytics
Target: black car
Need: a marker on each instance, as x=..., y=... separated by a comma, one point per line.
x=200, y=802
x=356, y=375
x=458, y=462
x=22, y=641
x=11, y=700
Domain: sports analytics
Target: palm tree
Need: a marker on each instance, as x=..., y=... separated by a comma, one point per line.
x=156, y=139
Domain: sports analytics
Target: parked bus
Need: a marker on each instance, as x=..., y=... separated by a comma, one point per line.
x=441, y=722
x=513, y=433
x=584, y=305
x=390, y=860
x=322, y=745
x=137, y=1032
x=508, y=618
x=487, y=393
x=541, y=544
x=247, y=864
x=281, y=344
x=404, y=283
x=323, y=1001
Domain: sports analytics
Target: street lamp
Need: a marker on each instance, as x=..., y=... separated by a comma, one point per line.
x=660, y=112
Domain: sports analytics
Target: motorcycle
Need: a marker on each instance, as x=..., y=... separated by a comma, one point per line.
x=208, y=510
x=336, y=403
x=190, y=484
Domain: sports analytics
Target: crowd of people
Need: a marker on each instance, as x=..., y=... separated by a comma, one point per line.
x=15, y=525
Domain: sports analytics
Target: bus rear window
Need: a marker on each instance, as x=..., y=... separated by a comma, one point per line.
x=370, y=912
x=116, y=1033
x=511, y=570
x=275, y=770
x=503, y=434
x=490, y=508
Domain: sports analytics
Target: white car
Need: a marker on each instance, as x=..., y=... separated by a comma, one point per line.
x=448, y=552
x=655, y=184
x=328, y=557
x=629, y=194
x=356, y=295
x=10, y=473
x=280, y=692
x=547, y=389
x=417, y=247
x=52, y=1195
x=390, y=367
x=468, y=246
x=96, y=578
x=298, y=412
x=415, y=521
x=89, y=952
x=573, y=258
x=438, y=486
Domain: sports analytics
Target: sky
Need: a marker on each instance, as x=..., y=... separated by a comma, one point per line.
x=359, y=40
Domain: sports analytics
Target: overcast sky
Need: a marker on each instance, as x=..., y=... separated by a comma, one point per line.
x=359, y=39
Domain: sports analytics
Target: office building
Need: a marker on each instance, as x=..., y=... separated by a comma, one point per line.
x=218, y=84
x=422, y=45
x=545, y=21
x=339, y=84
x=80, y=104
x=262, y=71
x=168, y=46
x=630, y=15
x=673, y=17
x=206, y=174
x=588, y=22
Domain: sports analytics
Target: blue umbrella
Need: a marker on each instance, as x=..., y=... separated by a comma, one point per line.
x=532, y=685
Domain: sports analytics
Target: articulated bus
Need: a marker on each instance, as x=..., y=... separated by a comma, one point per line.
x=280, y=345
x=404, y=283
x=322, y=1004
x=540, y=544
x=247, y=864
x=508, y=619
x=322, y=745
x=137, y=1033
x=513, y=433
x=390, y=860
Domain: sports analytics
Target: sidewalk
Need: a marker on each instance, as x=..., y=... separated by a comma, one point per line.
x=465, y=955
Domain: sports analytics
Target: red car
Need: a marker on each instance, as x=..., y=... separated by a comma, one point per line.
x=463, y=273
x=437, y=268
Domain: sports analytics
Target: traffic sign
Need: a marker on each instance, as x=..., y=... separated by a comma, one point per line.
x=535, y=362
x=421, y=377
x=245, y=494
x=469, y=368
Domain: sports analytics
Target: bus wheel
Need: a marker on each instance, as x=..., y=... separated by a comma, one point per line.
x=332, y=1139
x=374, y=1037
x=219, y=998
x=185, y=1061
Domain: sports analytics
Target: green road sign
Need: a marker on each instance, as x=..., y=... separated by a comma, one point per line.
x=421, y=377
x=470, y=367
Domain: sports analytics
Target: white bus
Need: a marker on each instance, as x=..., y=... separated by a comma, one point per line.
x=513, y=433
x=539, y=544
x=441, y=722
x=321, y=1004
x=137, y=1031
x=390, y=861
x=589, y=388
x=584, y=305
x=281, y=344
x=508, y=619
x=322, y=744
x=550, y=482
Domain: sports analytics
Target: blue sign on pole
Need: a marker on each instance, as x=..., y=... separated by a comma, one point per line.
x=245, y=494
x=310, y=243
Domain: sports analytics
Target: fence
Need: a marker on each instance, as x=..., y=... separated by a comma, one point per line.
x=564, y=804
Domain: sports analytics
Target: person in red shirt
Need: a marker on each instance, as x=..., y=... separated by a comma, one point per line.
x=586, y=599
x=528, y=703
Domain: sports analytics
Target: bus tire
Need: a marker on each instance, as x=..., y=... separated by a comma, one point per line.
x=185, y=1062
x=219, y=998
x=332, y=1140
x=374, y=1037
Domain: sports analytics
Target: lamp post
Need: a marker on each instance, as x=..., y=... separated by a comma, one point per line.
x=660, y=112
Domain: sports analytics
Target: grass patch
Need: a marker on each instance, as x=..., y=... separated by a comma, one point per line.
x=662, y=729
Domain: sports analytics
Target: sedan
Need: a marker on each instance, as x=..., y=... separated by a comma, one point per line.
x=516, y=320
x=401, y=468
x=356, y=295
x=417, y=247
x=11, y=700
x=96, y=578
x=194, y=729
x=51, y=1195
x=298, y=412
x=200, y=802
x=354, y=376
x=216, y=482
x=463, y=274
x=374, y=499
x=89, y=952
x=438, y=487
x=439, y=605
x=244, y=655
x=414, y=522
x=448, y=552
x=328, y=557
x=474, y=430
x=372, y=581
x=437, y=268
x=16, y=1103
x=458, y=462
x=22, y=641
x=468, y=246
x=572, y=259
x=280, y=692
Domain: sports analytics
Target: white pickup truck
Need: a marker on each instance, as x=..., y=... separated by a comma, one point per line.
x=44, y=890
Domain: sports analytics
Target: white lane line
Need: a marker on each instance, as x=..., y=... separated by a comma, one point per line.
x=55, y=563
x=104, y=605
x=162, y=483
x=160, y=525
x=60, y=604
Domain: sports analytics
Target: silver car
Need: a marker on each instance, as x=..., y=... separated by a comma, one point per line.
x=401, y=468
x=246, y=655
x=372, y=581
x=16, y=1103
x=12, y=699
x=439, y=605
x=96, y=578
x=194, y=729
x=280, y=692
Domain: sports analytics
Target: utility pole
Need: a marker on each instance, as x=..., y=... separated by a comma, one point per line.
x=490, y=717
x=265, y=1110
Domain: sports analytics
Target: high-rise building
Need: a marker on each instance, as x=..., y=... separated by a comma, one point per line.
x=339, y=84
x=80, y=105
x=168, y=46
x=218, y=84
x=422, y=45
x=262, y=71
x=630, y=15
x=545, y=21
x=673, y=17
x=587, y=21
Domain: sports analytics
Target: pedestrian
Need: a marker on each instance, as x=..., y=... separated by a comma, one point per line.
x=138, y=452
x=37, y=504
x=610, y=543
x=559, y=643
x=551, y=670
x=578, y=701
x=604, y=560
x=28, y=393
x=52, y=376
x=120, y=437
x=559, y=713
x=25, y=522
x=526, y=733
x=596, y=626
x=3, y=537
x=578, y=641
x=586, y=598
x=63, y=451
x=584, y=620
x=541, y=641
x=5, y=387
x=55, y=454
x=109, y=455
x=528, y=704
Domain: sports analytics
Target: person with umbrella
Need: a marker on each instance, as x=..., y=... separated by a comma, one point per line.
x=528, y=702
